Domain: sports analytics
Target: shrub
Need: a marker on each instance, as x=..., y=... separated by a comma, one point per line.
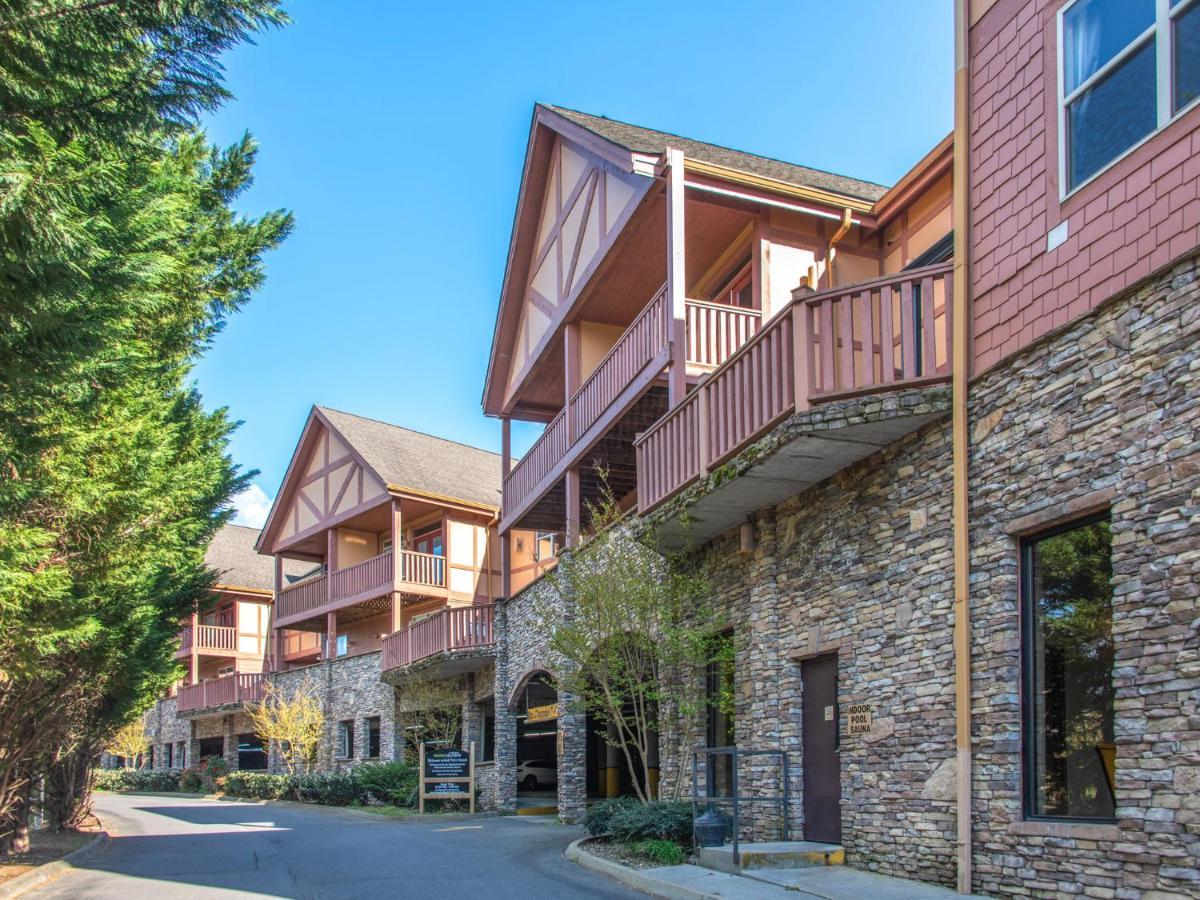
x=394, y=783
x=258, y=786
x=191, y=781
x=665, y=853
x=600, y=814
x=137, y=779
x=330, y=790
x=664, y=820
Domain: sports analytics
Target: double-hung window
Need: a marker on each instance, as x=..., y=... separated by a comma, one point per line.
x=1126, y=69
x=345, y=739
x=1067, y=686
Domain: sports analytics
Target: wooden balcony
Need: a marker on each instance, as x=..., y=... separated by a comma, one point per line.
x=219, y=693
x=208, y=640
x=713, y=332
x=456, y=634
x=420, y=573
x=890, y=334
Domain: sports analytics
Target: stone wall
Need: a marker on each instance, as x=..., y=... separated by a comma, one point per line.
x=163, y=727
x=1104, y=414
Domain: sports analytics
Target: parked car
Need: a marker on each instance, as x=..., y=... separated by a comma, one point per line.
x=537, y=773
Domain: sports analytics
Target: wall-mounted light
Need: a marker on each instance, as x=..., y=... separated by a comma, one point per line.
x=355, y=539
x=747, y=537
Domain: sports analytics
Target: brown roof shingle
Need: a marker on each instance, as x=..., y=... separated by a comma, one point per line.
x=646, y=140
x=238, y=564
x=421, y=462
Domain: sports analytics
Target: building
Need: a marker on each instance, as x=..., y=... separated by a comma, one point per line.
x=934, y=443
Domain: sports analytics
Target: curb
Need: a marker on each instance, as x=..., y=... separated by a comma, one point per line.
x=296, y=804
x=48, y=871
x=634, y=878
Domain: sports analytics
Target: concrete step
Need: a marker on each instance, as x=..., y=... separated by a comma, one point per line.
x=771, y=855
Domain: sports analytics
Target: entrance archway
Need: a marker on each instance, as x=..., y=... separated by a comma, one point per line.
x=536, y=706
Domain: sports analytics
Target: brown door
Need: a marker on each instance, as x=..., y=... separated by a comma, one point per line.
x=822, y=769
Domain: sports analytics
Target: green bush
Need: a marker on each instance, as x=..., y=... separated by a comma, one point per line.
x=663, y=820
x=258, y=786
x=394, y=783
x=665, y=853
x=329, y=790
x=600, y=814
x=137, y=779
x=191, y=781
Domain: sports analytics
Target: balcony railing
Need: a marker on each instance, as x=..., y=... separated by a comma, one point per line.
x=230, y=689
x=369, y=578
x=885, y=334
x=208, y=639
x=454, y=628
x=301, y=643
x=713, y=332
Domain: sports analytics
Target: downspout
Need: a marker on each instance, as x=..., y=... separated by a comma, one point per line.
x=833, y=241
x=959, y=442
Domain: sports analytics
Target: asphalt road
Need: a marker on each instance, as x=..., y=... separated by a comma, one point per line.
x=168, y=847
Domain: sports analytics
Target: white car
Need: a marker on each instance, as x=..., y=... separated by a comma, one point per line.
x=537, y=773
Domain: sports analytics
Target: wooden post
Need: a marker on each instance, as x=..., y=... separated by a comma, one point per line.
x=802, y=348
x=574, y=507
x=571, y=360
x=397, y=532
x=193, y=656
x=277, y=633
x=331, y=635
x=676, y=280
x=421, y=775
x=505, y=536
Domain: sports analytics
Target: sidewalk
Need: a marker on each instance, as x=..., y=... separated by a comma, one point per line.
x=696, y=883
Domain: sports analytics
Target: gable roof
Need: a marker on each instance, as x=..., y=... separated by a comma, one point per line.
x=420, y=462
x=238, y=564
x=637, y=139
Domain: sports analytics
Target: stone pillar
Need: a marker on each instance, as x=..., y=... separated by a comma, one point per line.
x=231, y=744
x=572, y=760
x=506, y=720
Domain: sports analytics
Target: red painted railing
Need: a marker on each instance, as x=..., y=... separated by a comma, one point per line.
x=208, y=638
x=422, y=568
x=715, y=331
x=547, y=451
x=884, y=334
x=300, y=643
x=302, y=597
x=632, y=352
x=370, y=575
x=453, y=628
x=230, y=689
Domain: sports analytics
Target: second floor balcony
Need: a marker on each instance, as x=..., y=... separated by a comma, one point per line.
x=220, y=695
x=422, y=574
x=207, y=640
x=454, y=640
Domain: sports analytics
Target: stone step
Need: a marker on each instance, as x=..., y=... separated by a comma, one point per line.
x=771, y=855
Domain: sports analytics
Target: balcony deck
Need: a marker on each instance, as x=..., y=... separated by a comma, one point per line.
x=455, y=640
x=824, y=360
x=626, y=373
x=305, y=602
x=209, y=640
x=220, y=694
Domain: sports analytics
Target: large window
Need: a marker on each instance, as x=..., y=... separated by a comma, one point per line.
x=1067, y=646
x=1126, y=68
x=373, y=732
x=719, y=723
x=345, y=739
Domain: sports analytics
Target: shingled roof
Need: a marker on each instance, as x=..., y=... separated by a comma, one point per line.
x=646, y=140
x=419, y=461
x=233, y=555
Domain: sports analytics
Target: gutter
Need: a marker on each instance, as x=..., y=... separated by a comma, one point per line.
x=960, y=445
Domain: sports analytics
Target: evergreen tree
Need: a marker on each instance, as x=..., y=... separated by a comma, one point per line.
x=120, y=259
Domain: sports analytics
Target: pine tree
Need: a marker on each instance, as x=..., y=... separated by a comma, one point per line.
x=120, y=259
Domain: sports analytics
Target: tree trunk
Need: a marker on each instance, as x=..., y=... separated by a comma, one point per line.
x=69, y=788
x=19, y=839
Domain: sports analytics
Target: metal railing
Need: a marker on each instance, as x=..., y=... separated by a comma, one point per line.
x=735, y=798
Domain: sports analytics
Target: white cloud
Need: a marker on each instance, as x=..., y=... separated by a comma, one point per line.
x=251, y=506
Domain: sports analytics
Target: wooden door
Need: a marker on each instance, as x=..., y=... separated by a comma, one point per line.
x=822, y=767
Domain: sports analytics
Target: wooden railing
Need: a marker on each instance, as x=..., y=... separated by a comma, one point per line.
x=454, y=628
x=362, y=578
x=302, y=597
x=238, y=688
x=300, y=643
x=547, y=451
x=884, y=334
x=422, y=568
x=632, y=352
x=208, y=638
x=715, y=331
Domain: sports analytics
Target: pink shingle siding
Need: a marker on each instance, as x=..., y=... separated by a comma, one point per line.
x=1135, y=218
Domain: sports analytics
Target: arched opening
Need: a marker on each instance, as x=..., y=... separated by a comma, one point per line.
x=536, y=706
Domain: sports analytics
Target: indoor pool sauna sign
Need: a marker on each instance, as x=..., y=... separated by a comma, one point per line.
x=447, y=773
x=858, y=720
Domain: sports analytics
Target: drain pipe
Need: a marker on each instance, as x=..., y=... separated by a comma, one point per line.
x=959, y=442
x=833, y=242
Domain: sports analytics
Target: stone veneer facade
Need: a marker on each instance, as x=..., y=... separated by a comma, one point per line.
x=1104, y=414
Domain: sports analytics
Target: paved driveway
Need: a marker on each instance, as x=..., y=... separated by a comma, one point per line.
x=168, y=847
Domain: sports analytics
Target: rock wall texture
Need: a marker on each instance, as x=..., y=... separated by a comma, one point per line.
x=1102, y=415
x=163, y=728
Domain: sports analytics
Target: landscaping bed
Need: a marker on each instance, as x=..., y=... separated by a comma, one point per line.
x=640, y=835
x=45, y=847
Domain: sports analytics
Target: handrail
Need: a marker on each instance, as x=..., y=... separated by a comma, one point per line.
x=451, y=628
x=240, y=687
x=303, y=596
x=368, y=575
x=716, y=330
x=422, y=568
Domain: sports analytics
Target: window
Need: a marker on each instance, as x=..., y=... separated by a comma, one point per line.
x=373, y=737
x=252, y=753
x=345, y=739
x=545, y=545
x=737, y=289
x=169, y=755
x=342, y=645
x=1067, y=688
x=1126, y=68
x=487, y=715
x=719, y=724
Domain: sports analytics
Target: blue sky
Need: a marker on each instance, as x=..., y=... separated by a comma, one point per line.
x=396, y=131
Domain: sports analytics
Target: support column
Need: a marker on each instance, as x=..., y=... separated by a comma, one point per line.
x=397, y=529
x=612, y=761
x=571, y=361
x=574, y=507
x=572, y=761
x=652, y=764
x=676, y=280
x=505, y=537
x=276, y=662
x=331, y=635
x=231, y=744
x=194, y=658
x=506, y=720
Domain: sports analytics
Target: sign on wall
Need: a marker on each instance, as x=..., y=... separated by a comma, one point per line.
x=542, y=713
x=859, y=718
x=447, y=774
